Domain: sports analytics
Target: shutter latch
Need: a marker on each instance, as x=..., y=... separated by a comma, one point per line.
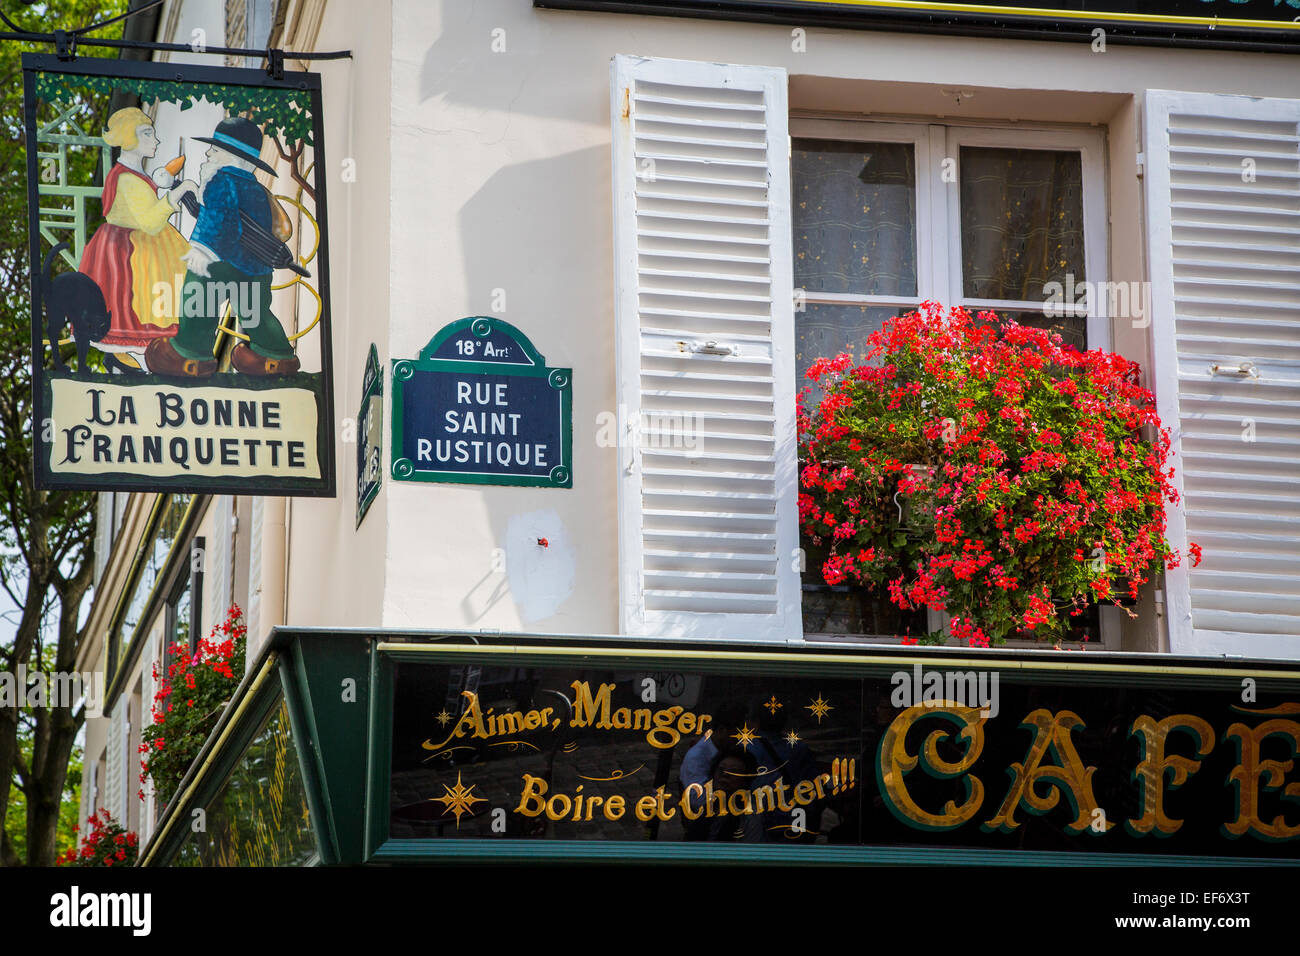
x=1244, y=370
x=713, y=348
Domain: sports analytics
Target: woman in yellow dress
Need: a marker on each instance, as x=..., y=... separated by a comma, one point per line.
x=137, y=248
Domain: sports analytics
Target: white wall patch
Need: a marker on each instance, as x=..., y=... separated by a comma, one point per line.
x=540, y=564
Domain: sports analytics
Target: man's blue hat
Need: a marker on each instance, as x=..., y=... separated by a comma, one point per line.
x=240, y=137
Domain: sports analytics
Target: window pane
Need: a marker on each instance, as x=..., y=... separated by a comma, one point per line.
x=182, y=619
x=1021, y=221
x=1073, y=329
x=157, y=551
x=854, y=217
x=260, y=816
x=827, y=330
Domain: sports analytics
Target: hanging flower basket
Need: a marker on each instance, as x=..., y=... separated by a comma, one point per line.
x=106, y=843
x=986, y=470
x=188, y=703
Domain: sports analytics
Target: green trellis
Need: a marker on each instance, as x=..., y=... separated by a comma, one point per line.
x=62, y=208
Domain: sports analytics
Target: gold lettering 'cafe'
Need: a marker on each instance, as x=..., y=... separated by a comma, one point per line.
x=518, y=534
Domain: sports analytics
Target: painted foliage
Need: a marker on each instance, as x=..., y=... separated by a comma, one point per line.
x=180, y=295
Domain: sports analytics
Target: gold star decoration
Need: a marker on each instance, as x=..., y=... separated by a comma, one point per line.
x=746, y=736
x=459, y=800
x=773, y=705
x=819, y=708
x=792, y=738
x=443, y=717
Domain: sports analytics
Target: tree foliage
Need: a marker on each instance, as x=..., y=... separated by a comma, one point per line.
x=46, y=538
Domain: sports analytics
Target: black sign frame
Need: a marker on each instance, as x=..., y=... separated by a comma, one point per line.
x=306, y=83
x=370, y=458
x=1023, y=20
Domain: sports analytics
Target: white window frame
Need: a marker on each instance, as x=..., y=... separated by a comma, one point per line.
x=938, y=239
x=1091, y=147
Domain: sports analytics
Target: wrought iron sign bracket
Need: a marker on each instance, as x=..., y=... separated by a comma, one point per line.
x=65, y=45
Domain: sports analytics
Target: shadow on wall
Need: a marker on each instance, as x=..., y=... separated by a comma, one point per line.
x=537, y=245
x=524, y=45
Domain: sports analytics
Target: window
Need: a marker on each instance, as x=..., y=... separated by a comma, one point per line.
x=181, y=614
x=155, y=558
x=887, y=215
x=711, y=239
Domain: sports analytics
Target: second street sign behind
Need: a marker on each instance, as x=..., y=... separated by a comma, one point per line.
x=370, y=434
x=479, y=406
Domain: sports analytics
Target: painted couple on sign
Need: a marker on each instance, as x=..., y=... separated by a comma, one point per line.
x=164, y=294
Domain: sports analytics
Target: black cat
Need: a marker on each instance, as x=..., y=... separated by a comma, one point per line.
x=73, y=298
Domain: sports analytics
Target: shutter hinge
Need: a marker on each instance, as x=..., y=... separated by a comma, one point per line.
x=1141, y=164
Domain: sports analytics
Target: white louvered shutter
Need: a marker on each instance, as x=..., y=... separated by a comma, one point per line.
x=1223, y=187
x=90, y=792
x=148, y=687
x=705, y=344
x=115, y=763
x=103, y=532
x=254, y=604
x=216, y=564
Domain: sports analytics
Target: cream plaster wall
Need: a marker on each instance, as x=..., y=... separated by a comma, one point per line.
x=336, y=573
x=485, y=170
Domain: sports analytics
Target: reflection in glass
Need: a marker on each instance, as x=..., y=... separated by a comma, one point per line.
x=156, y=551
x=580, y=754
x=854, y=610
x=878, y=755
x=1021, y=221
x=259, y=817
x=854, y=217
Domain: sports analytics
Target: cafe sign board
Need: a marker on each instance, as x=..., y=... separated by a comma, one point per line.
x=180, y=304
x=480, y=406
x=1272, y=25
x=996, y=757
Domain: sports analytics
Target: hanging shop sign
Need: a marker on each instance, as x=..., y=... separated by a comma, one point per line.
x=179, y=285
x=480, y=406
x=983, y=755
x=370, y=434
x=1245, y=24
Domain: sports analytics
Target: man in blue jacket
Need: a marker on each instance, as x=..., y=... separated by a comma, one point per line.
x=221, y=268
